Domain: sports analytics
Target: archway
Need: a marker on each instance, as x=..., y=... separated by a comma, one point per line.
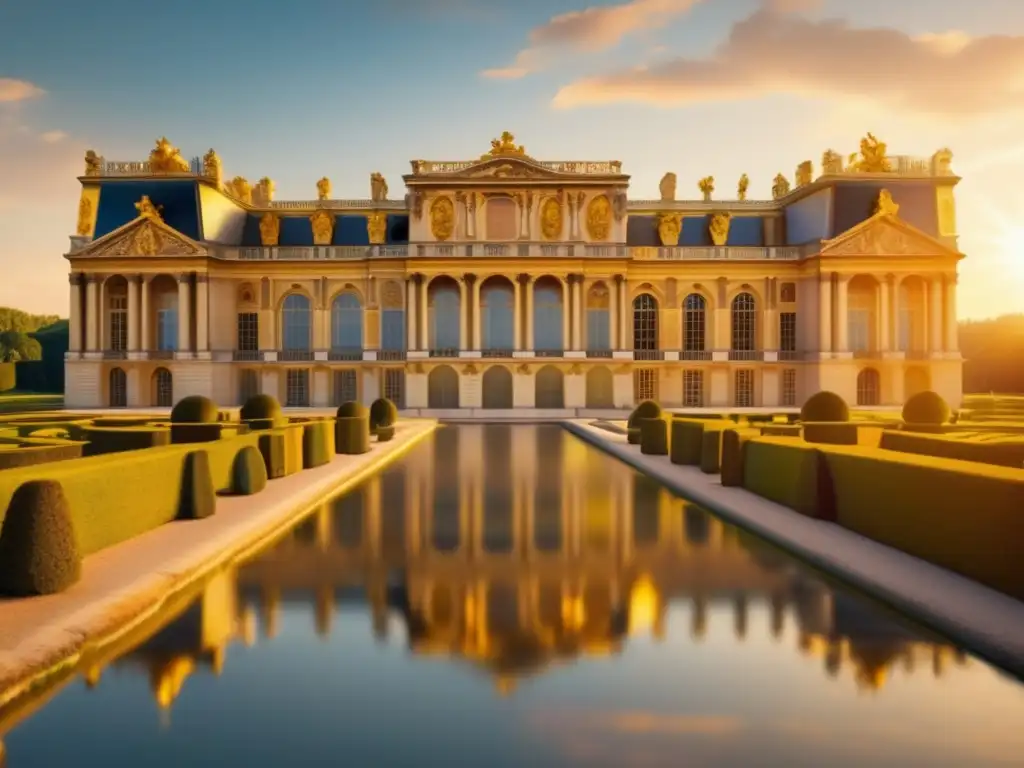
x=443, y=322
x=497, y=387
x=862, y=314
x=600, y=388
x=869, y=386
x=117, y=395
x=915, y=380
x=497, y=316
x=163, y=388
x=547, y=316
x=443, y=387
x=548, y=388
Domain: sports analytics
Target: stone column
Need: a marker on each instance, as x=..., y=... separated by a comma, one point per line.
x=567, y=306
x=571, y=202
x=477, y=324
x=144, y=333
x=769, y=323
x=613, y=314
x=894, y=313
x=411, y=342
x=184, y=312
x=202, y=313
x=524, y=218
x=952, y=329
x=528, y=287
x=577, y=313
x=102, y=321
x=935, y=326
x=517, y=313
x=842, y=314
x=825, y=312
x=92, y=313
x=463, y=314
x=134, y=283
x=424, y=317
x=884, y=309
x=625, y=342
x=75, y=313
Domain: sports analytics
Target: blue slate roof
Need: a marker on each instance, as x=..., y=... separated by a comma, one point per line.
x=349, y=229
x=178, y=200
x=642, y=230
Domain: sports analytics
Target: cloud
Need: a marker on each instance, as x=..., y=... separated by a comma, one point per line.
x=52, y=137
x=773, y=52
x=18, y=90
x=591, y=30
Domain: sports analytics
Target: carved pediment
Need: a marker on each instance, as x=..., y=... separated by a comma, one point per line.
x=885, y=235
x=144, y=236
x=506, y=168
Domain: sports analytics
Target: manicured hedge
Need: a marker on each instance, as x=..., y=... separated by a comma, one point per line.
x=789, y=472
x=688, y=439
x=383, y=413
x=385, y=434
x=1005, y=453
x=733, y=451
x=30, y=451
x=8, y=378
x=249, y=472
x=654, y=436
x=317, y=443
x=103, y=440
x=39, y=554
x=825, y=406
x=352, y=434
x=782, y=430
x=831, y=432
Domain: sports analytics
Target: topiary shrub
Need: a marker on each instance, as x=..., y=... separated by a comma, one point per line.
x=351, y=408
x=260, y=407
x=248, y=472
x=273, y=450
x=384, y=434
x=198, y=497
x=926, y=408
x=196, y=433
x=654, y=438
x=825, y=406
x=383, y=413
x=633, y=435
x=113, y=440
x=194, y=409
x=317, y=443
x=38, y=551
x=648, y=409
x=352, y=434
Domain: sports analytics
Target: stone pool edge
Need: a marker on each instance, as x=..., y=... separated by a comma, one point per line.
x=93, y=621
x=982, y=620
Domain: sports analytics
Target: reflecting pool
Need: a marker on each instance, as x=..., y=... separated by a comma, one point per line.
x=508, y=596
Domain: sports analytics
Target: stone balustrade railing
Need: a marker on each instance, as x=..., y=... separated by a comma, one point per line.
x=585, y=167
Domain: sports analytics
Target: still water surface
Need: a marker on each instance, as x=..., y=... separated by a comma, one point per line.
x=508, y=596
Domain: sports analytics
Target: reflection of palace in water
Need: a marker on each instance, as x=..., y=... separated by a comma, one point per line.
x=485, y=557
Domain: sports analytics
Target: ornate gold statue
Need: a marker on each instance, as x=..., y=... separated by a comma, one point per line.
x=873, y=158
x=166, y=158
x=93, y=164
x=741, y=189
x=551, y=218
x=667, y=187
x=264, y=192
x=780, y=187
x=885, y=205
x=442, y=218
x=941, y=162
x=146, y=209
x=707, y=187
x=323, y=227
x=378, y=188
x=670, y=227
x=240, y=188
x=212, y=168
x=145, y=242
x=377, y=227
x=323, y=189
x=804, y=173
x=270, y=229
x=718, y=227
x=831, y=163
x=506, y=145
x=599, y=217
x=84, y=225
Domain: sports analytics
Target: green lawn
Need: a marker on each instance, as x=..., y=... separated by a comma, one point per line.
x=27, y=402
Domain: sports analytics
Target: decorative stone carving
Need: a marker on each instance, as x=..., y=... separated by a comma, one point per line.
x=442, y=218
x=718, y=227
x=391, y=295
x=323, y=189
x=667, y=187
x=804, y=173
x=780, y=187
x=885, y=205
x=377, y=227
x=240, y=188
x=270, y=229
x=85, y=216
x=213, y=169
x=263, y=194
x=599, y=218
x=741, y=187
x=93, y=164
x=551, y=221
x=707, y=187
x=323, y=227
x=670, y=226
x=165, y=158
x=378, y=187
x=831, y=163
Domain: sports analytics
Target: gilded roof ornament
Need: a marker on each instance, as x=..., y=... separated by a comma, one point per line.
x=378, y=187
x=213, y=169
x=166, y=158
x=505, y=145
x=804, y=173
x=263, y=193
x=707, y=187
x=240, y=188
x=741, y=188
x=93, y=164
x=780, y=186
x=323, y=189
x=831, y=163
x=872, y=157
x=885, y=205
x=147, y=210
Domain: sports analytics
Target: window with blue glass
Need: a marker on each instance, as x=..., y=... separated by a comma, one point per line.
x=744, y=323
x=392, y=329
x=598, y=331
x=444, y=317
x=547, y=316
x=296, y=322
x=167, y=329
x=346, y=322
x=694, y=323
x=497, y=313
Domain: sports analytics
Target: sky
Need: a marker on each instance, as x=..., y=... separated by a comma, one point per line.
x=296, y=91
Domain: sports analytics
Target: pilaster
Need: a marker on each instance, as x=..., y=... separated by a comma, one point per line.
x=75, y=312
x=184, y=313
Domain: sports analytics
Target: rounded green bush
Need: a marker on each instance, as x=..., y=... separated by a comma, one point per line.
x=926, y=408
x=198, y=498
x=384, y=434
x=260, y=407
x=351, y=408
x=194, y=409
x=352, y=434
x=248, y=472
x=648, y=409
x=383, y=413
x=825, y=406
x=38, y=551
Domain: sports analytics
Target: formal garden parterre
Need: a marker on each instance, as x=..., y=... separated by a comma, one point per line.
x=942, y=485
x=73, y=484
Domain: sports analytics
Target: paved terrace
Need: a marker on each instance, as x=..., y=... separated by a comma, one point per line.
x=985, y=622
x=127, y=584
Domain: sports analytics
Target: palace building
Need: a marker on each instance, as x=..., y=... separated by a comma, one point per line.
x=511, y=283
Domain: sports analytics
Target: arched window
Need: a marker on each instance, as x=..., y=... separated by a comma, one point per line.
x=744, y=323
x=694, y=323
x=868, y=387
x=443, y=388
x=549, y=388
x=296, y=323
x=598, y=319
x=163, y=388
x=547, y=315
x=444, y=316
x=497, y=387
x=645, y=322
x=346, y=323
x=497, y=316
x=118, y=389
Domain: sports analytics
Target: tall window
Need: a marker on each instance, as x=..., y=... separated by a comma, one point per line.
x=693, y=389
x=392, y=329
x=444, y=316
x=118, y=388
x=744, y=388
x=497, y=324
x=598, y=322
x=346, y=322
x=296, y=323
x=164, y=386
x=645, y=384
x=394, y=386
x=167, y=321
x=645, y=322
x=694, y=323
x=789, y=387
x=118, y=323
x=346, y=388
x=248, y=331
x=787, y=331
x=297, y=388
x=911, y=315
x=869, y=387
x=547, y=316
x=744, y=323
